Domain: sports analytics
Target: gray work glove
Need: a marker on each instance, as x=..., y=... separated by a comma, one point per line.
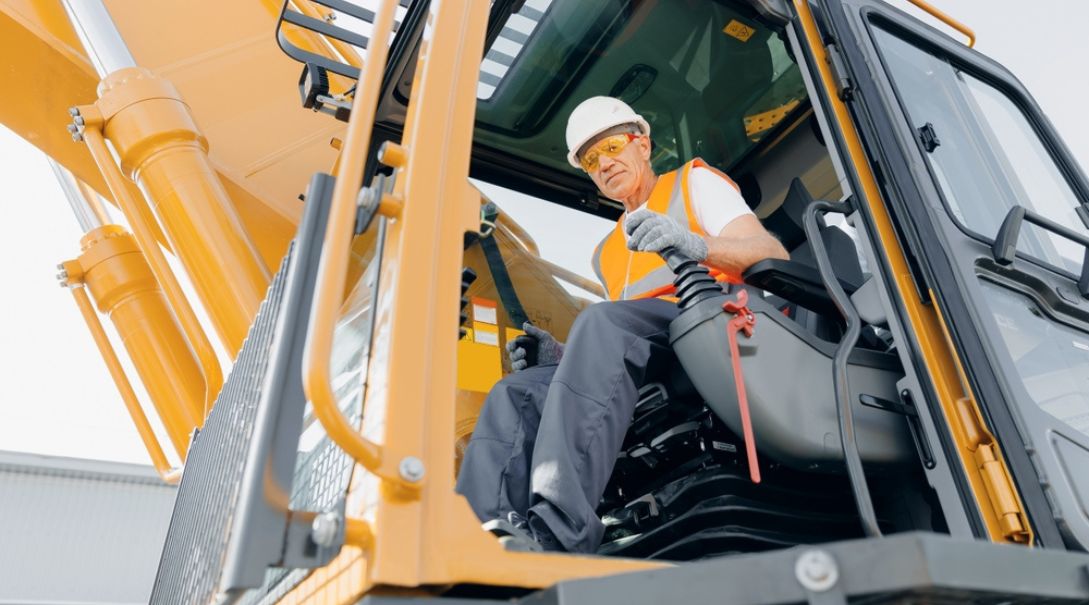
x=652, y=232
x=549, y=350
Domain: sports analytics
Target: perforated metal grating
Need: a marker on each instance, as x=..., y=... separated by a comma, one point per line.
x=321, y=479
x=197, y=539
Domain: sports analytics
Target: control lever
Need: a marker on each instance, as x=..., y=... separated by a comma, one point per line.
x=531, y=345
x=693, y=282
x=674, y=258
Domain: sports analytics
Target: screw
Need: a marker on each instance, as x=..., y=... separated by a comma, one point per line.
x=77, y=137
x=411, y=468
x=816, y=570
x=73, y=111
x=324, y=529
x=72, y=128
x=62, y=277
x=78, y=120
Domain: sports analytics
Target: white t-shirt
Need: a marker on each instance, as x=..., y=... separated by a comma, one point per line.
x=715, y=202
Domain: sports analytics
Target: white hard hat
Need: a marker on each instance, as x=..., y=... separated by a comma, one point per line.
x=596, y=115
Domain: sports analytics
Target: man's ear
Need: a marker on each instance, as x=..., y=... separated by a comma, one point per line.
x=644, y=147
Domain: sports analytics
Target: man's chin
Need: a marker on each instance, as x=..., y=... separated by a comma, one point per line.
x=616, y=193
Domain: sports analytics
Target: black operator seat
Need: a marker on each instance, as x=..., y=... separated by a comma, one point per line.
x=788, y=360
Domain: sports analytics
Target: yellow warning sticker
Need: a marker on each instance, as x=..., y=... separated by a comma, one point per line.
x=737, y=29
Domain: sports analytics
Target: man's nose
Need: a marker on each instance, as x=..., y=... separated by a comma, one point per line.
x=604, y=162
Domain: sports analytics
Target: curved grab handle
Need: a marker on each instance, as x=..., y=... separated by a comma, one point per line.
x=840, y=378
x=128, y=395
x=333, y=268
x=946, y=19
x=194, y=333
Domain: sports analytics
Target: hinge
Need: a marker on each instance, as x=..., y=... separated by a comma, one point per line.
x=996, y=479
x=844, y=86
x=1002, y=495
x=928, y=137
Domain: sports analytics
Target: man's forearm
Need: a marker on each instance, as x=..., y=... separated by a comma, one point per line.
x=734, y=255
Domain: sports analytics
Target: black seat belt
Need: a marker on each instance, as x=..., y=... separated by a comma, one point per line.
x=488, y=214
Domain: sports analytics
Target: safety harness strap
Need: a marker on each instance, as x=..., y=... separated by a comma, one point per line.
x=743, y=320
x=503, y=284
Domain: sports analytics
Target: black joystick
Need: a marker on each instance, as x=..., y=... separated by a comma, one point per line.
x=693, y=281
x=531, y=345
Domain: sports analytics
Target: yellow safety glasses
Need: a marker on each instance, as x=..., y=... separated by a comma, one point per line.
x=610, y=146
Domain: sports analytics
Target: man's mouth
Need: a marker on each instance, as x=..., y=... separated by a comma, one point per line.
x=609, y=179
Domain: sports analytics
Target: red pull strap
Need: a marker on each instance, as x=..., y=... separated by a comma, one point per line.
x=742, y=321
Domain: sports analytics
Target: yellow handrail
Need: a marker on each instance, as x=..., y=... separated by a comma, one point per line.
x=128, y=395
x=573, y=278
x=194, y=333
x=518, y=232
x=332, y=270
x=946, y=19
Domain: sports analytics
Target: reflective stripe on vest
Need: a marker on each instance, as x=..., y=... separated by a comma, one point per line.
x=628, y=275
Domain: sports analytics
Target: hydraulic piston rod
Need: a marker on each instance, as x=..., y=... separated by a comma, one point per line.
x=160, y=147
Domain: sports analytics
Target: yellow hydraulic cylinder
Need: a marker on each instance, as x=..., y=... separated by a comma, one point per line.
x=123, y=287
x=161, y=149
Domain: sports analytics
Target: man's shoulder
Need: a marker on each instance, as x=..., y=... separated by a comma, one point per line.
x=703, y=173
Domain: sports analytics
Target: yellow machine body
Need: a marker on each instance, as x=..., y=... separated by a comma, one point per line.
x=212, y=173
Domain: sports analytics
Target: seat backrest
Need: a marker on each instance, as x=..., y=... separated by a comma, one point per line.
x=787, y=224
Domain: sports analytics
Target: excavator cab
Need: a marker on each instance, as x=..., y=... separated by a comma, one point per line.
x=910, y=368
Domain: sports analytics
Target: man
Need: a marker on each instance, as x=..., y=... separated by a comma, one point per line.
x=548, y=435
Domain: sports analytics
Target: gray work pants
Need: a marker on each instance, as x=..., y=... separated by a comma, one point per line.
x=548, y=436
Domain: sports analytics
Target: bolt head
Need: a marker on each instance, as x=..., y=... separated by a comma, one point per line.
x=324, y=529
x=411, y=469
x=73, y=111
x=78, y=120
x=816, y=570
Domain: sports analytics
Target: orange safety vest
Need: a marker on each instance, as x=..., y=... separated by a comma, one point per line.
x=628, y=275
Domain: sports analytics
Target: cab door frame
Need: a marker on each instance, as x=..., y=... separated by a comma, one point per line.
x=917, y=204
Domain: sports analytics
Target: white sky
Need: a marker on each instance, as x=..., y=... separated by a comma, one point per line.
x=56, y=396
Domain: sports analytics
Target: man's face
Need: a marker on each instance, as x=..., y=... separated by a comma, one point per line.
x=620, y=177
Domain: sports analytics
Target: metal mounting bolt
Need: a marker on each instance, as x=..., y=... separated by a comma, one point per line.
x=73, y=111
x=62, y=278
x=816, y=570
x=324, y=529
x=411, y=469
x=79, y=121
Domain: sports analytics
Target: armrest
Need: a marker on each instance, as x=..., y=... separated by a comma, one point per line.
x=799, y=283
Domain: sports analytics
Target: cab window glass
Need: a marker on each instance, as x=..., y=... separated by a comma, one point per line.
x=711, y=79
x=563, y=237
x=1051, y=358
x=987, y=157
